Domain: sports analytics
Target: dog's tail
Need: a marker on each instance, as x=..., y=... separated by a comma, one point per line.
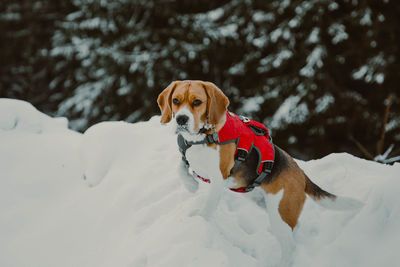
x=330, y=201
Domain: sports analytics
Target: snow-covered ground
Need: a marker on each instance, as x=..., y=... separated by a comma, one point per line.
x=132, y=209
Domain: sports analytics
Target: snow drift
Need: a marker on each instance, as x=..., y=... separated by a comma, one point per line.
x=113, y=197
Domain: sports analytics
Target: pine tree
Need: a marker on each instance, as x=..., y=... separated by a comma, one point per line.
x=115, y=57
x=27, y=28
x=317, y=72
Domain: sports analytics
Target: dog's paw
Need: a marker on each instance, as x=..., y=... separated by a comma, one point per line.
x=188, y=180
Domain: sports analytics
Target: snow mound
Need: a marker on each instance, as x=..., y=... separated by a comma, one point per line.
x=21, y=115
x=136, y=212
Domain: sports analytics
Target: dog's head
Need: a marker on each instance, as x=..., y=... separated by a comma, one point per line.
x=195, y=105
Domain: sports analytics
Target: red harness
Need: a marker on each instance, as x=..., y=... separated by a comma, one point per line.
x=248, y=135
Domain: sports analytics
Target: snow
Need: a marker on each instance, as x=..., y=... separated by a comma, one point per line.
x=333, y=6
x=22, y=116
x=252, y=104
x=229, y=30
x=275, y=35
x=237, y=69
x=366, y=19
x=295, y=22
x=323, y=103
x=290, y=111
x=282, y=56
x=133, y=210
x=379, y=78
x=261, y=16
x=314, y=60
x=360, y=72
x=371, y=71
x=10, y=16
x=216, y=14
x=313, y=38
x=260, y=41
x=338, y=32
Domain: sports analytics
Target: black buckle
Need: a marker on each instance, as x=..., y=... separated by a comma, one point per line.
x=185, y=161
x=241, y=155
x=209, y=139
x=267, y=166
x=212, y=138
x=249, y=188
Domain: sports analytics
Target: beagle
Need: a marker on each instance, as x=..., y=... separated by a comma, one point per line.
x=200, y=109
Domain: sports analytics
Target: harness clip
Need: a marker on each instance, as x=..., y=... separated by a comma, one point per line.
x=212, y=138
x=241, y=155
x=244, y=119
x=249, y=188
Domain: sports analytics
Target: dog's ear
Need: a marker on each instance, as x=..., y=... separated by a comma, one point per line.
x=217, y=103
x=164, y=102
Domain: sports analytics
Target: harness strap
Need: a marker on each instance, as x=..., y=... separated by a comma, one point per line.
x=241, y=155
x=183, y=146
x=267, y=169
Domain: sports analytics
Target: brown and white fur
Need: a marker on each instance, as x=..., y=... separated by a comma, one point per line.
x=205, y=105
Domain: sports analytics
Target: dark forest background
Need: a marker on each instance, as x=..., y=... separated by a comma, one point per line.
x=323, y=75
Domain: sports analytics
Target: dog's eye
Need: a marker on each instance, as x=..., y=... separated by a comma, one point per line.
x=196, y=103
x=175, y=101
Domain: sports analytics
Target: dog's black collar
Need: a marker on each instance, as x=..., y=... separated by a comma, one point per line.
x=202, y=130
x=184, y=144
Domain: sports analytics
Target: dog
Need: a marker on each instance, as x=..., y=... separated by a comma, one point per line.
x=200, y=110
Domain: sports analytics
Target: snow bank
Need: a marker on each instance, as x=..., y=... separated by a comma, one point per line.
x=132, y=209
x=21, y=115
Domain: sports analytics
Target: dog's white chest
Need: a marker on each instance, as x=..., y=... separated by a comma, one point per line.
x=204, y=161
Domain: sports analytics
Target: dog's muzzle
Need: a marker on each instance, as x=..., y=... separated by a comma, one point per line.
x=182, y=120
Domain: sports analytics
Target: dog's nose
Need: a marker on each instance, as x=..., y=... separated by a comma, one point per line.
x=182, y=119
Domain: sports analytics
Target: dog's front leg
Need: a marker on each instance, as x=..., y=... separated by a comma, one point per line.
x=213, y=198
x=186, y=176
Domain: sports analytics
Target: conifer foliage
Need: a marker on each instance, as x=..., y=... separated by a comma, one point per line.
x=318, y=72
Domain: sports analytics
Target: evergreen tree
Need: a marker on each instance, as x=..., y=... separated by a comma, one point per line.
x=115, y=57
x=26, y=68
x=317, y=72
